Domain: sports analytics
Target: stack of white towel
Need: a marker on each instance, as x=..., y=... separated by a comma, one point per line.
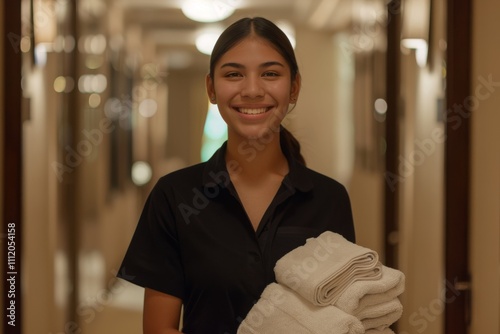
x=331, y=286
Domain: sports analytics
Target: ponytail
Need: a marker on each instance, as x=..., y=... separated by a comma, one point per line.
x=291, y=145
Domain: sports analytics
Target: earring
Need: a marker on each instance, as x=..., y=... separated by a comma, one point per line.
x=212, y=98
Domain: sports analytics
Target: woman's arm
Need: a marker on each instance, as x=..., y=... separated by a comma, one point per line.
x=161, y=313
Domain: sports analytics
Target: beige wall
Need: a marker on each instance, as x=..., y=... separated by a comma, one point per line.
x=485, y=187
x=40, y=203
x=187, y=109
x=421, y=165
x=323, y=123
x=313, y=120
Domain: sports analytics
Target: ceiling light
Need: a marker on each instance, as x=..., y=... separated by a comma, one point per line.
x=207, y=10
x=206, y=39
x=289, y=31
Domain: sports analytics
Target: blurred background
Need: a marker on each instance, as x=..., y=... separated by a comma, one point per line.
x=399, y=102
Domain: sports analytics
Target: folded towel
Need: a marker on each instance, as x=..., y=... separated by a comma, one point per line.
x=381, y=316
x=278, y=323
x=362, y=294
x=281, y=311
x=322, y=269
x=376, y=331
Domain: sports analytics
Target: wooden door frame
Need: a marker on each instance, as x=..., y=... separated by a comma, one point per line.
x=12, y=229
x=393, y=99
x=457, y=164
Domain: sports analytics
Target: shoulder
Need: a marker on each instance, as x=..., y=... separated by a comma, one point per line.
x=186, y=172
x=321, y=181
x=187, y=177
x=322, y=178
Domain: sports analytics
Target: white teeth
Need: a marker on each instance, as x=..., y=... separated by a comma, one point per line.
x=249, y=111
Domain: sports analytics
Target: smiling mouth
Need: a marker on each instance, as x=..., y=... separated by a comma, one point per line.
x=252, y=111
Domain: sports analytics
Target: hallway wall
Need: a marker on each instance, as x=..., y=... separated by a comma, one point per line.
x=421, y=181
x=323, y=122
x=485, y=178
x=40, y=196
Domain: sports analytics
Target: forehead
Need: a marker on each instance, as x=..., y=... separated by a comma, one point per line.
x=252, y=49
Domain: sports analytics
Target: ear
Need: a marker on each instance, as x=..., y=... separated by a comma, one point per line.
x=209, y=83
x=295, y=88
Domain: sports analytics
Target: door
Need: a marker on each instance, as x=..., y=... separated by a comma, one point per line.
x=457, y=167
x=427, y=163
x=485, y=170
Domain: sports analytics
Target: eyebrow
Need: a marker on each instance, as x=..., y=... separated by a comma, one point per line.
x=266, y=64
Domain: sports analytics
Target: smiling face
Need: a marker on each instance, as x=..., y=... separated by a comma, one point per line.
x=253, y=88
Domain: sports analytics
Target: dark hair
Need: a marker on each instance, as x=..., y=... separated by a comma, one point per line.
x=269, y=31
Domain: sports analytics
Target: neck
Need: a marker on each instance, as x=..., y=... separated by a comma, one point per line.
x=256, y=158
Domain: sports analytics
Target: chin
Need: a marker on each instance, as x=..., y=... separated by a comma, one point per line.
x=263, y=135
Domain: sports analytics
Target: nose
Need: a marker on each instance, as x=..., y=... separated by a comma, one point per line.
x=252, y=87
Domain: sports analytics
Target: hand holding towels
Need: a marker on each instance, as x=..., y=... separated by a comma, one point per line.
x=323, y=268
x=281, y=311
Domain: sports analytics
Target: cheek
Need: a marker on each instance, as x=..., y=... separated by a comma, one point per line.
x=281, y=90
x=225, y=91
x=284, y=97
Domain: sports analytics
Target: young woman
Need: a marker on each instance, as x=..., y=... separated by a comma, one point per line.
x=210, y=234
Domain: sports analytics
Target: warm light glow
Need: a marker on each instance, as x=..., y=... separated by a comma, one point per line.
x=93, y=62
x=207, y=10
x=148, y=108
x=288, y=30
x=413, y=43
x=60, y=84
x=90, y=83
x=92, y=44
x=420, y=47
x=380, y=106
x=94, y=100
x=206, y=40
x=41, y=54
x=141, y=173
x=97, y=44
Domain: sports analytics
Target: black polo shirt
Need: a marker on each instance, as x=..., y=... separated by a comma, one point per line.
x=195, y=241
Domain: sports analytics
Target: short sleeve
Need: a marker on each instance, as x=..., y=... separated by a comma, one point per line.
x=153, y=258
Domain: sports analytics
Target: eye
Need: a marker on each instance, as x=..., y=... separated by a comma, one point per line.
x=232, y=75
x=270, y=74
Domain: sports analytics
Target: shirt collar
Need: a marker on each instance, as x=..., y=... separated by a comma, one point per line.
x=216, y=173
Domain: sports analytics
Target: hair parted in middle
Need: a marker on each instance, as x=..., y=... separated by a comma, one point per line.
x=261, y=27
